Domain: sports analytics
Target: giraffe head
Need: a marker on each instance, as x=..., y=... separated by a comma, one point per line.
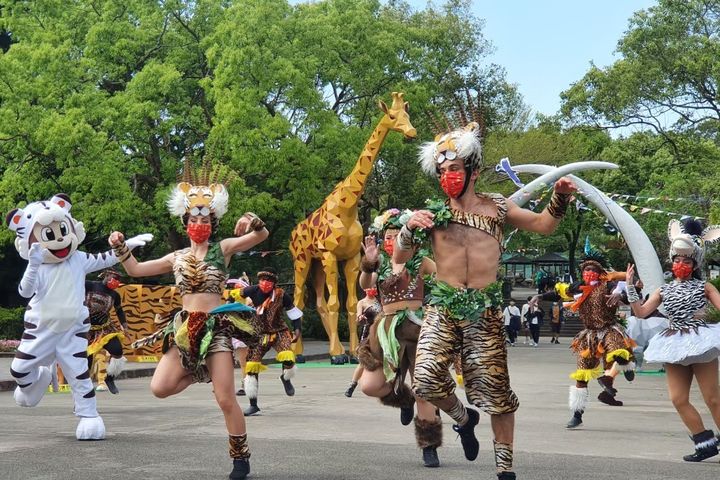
x=397, y=117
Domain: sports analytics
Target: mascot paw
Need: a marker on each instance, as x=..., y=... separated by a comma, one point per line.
x=90, y=428
x=31, y=395
x=139, y=240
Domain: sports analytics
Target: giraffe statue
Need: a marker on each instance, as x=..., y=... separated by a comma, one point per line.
x=333, y=234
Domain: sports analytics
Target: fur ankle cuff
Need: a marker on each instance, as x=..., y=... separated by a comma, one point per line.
x=402, y=399
x=427, y=433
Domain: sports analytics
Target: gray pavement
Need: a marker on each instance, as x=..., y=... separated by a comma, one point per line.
x=320, y=434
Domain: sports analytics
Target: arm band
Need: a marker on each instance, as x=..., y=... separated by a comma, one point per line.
x=122, y=252
x=558, y=204
x=368, y=267
x=632, y=294
x=404, y=240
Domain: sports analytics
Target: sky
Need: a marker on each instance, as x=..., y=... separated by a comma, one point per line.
x=546, y=45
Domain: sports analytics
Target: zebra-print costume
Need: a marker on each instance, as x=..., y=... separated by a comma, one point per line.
x=688, y=339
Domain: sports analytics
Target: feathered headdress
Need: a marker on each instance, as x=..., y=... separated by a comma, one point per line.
x=690, y=240
x=458, y=137
x=593, y=256
x=200, y=192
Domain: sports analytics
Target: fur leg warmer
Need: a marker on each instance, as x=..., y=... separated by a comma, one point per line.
x=251, y=385
x=367, y=359
x=428, y=433
x=116, y=366
x=403, y=398
x=289, y=373
x=578, y=399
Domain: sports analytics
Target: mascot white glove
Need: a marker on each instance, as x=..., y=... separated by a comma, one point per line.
x=36, y=254
x=139, y=240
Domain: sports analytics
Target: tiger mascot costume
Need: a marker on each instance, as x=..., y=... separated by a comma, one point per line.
x=56, y=320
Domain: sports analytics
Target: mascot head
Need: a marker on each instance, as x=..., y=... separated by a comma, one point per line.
x=50, y=224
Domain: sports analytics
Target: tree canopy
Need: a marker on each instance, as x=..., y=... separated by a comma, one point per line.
x=103, y=99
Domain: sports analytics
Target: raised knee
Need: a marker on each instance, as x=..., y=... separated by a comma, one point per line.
x=159, y=390
x=370, y=389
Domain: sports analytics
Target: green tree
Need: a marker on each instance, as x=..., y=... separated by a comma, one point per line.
x=667, y=80
x=102, y=100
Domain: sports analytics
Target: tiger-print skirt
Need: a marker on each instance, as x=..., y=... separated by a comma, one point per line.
x=481, y=345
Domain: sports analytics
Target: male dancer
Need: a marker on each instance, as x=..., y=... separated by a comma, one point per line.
x=602, y=339
x=269, y=300
x=466, y=233
x=100, y=298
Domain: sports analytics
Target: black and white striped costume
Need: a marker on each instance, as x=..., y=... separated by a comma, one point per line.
x=688, y=339
x=56, y=319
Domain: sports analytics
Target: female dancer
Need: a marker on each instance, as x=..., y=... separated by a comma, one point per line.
x=689, y=347
x=389, y=352
x=197, y=341
x=367, y=309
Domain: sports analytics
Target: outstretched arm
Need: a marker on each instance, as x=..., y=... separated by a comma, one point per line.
x=546, y=221
x=130, y=263
x=370, y=263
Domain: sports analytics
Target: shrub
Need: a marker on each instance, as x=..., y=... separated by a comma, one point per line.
x=11, y=322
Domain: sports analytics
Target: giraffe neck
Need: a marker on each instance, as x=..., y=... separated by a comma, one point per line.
x=354, y=184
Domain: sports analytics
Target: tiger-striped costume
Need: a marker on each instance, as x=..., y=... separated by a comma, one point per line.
x=475, y=330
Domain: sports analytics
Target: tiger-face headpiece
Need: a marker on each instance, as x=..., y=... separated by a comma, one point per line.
x=458, y=136
x=201, y=192
x=690, y=240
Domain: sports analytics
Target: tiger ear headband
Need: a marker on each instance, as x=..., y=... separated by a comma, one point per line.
x=201, y=191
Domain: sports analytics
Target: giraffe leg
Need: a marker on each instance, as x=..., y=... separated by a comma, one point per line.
x=302, y=269
x=318, y=279
x=330, y=267
x=352, y=271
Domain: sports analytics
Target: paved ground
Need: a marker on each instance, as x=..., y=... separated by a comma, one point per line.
x=319, y=434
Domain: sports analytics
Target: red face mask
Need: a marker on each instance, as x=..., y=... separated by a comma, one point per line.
x=266, y=286
x=199, y=232
x=682, y=271
x=112, y=283
x=389, y=246
x=452, y=183
x=371, y=292
x=590, y=276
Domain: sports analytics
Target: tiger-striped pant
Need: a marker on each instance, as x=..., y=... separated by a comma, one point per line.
x=483, y=356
